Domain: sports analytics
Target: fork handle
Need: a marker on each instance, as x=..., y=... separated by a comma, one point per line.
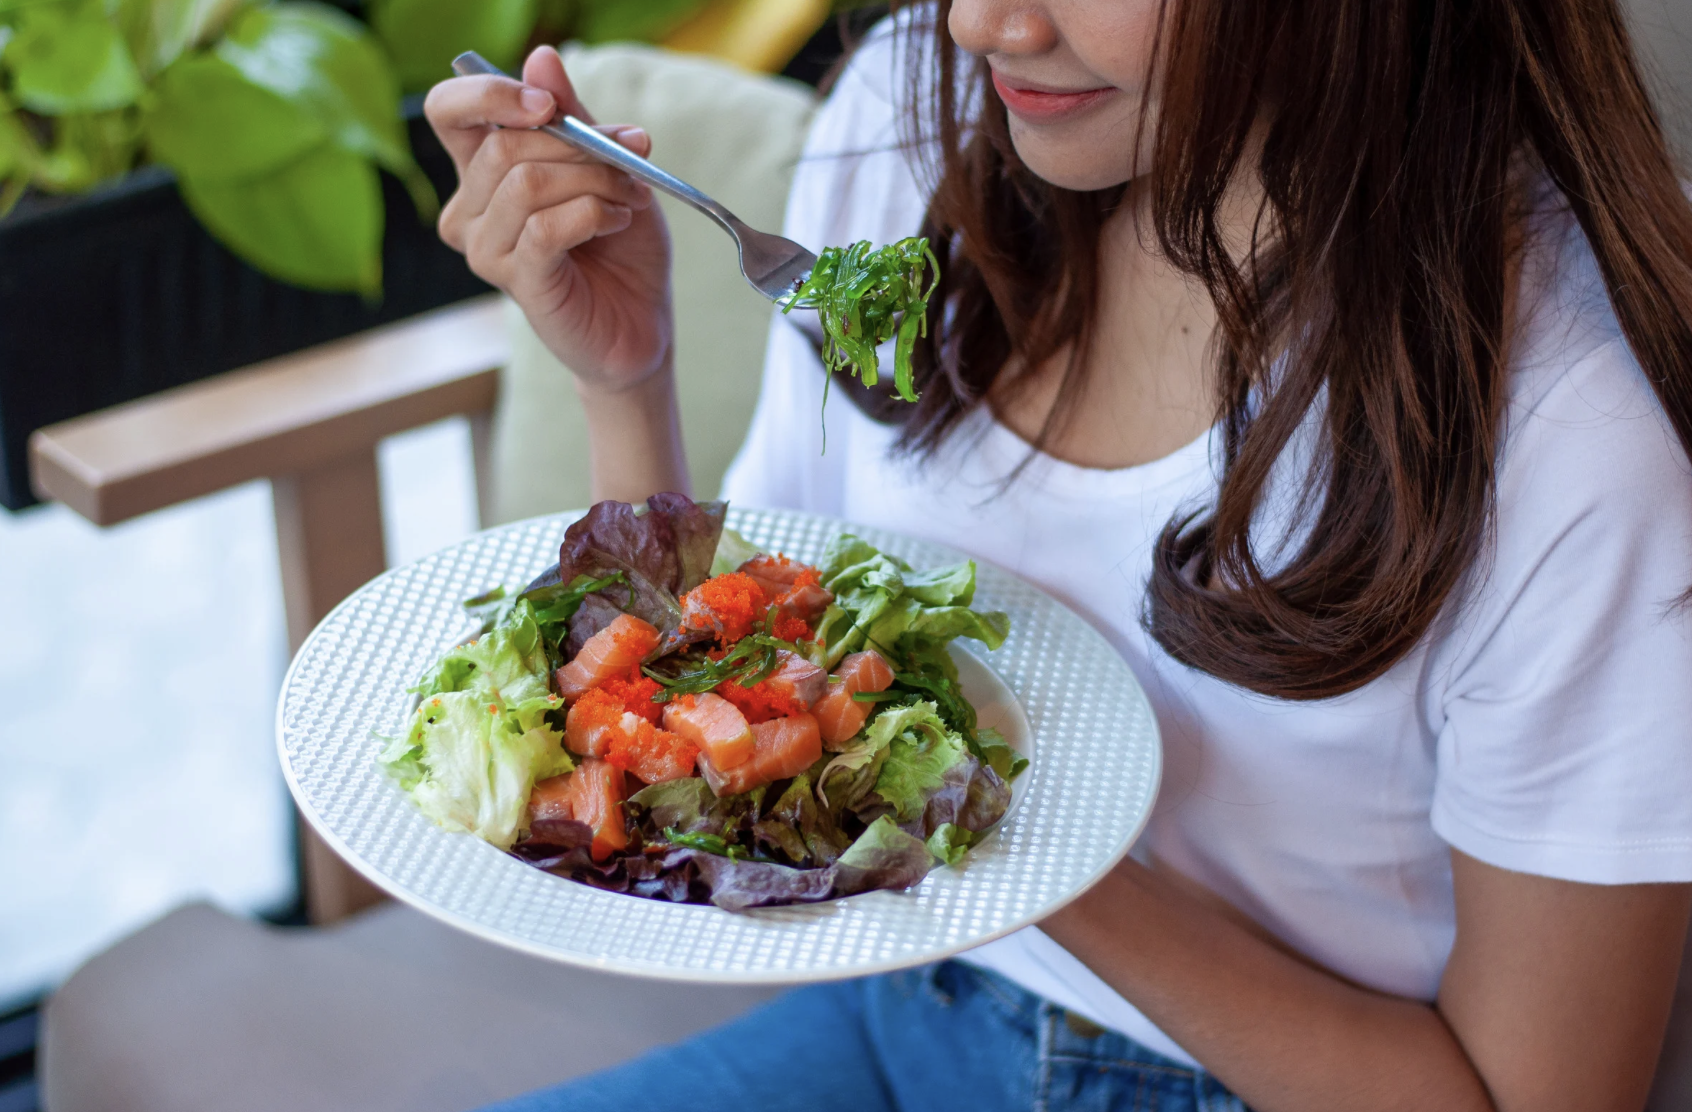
x=591, y=142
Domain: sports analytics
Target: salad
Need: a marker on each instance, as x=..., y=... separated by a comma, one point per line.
x=671, y=713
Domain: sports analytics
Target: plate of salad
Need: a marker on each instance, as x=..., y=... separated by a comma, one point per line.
x=699, y=742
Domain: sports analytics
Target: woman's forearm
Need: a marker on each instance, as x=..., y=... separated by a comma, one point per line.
x=634, y=439
x=1284, y=1036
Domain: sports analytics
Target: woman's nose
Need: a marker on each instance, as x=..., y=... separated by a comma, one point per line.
x=1015, y=27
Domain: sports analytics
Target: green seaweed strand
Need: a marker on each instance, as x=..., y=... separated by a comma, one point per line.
x=865, y=296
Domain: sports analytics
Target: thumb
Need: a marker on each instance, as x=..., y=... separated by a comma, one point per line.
x=544, y=69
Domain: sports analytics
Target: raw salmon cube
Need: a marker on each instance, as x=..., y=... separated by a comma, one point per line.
x=838, y=714
x=777, y=574
x=712, y=723
x=792, y=587
x=551, y=799
x=593, y=722
x=610, y=652
x=781, y=747
x=797, y=678
x=652, y=754
x=728, y=606
x=593, y=794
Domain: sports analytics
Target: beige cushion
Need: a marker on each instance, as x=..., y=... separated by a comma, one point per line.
x=390, y=1010
x=733, y=134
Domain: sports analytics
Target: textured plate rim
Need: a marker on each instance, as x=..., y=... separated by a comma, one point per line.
x=651, y=970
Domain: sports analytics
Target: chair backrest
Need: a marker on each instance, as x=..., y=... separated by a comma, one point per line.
x=737, y=136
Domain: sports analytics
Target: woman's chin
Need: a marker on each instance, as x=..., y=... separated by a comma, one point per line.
x=1072, y=163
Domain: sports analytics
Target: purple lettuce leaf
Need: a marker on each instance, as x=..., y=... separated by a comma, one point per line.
x=662, y=553
x=695, y=528
x=883, y=856
x=670, y=546
x=988, y=799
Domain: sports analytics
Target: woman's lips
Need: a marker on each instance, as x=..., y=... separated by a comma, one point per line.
x=1042, y=106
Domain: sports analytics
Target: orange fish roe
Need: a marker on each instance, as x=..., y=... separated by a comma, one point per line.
x=634, y=694
x=635, y=640
x=598, y=707
x=652, y=754
x=729, y=605
x=760, y=702
x=789, y=628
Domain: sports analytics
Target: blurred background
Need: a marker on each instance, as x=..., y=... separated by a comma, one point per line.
x=172, y=207
x=193, y=187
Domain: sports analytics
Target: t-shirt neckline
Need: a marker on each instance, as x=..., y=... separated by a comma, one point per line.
x=1001, y=449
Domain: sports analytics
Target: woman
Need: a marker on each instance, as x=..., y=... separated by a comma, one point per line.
x=1332, y=357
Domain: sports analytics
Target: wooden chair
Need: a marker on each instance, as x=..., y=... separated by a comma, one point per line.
x=309, y=423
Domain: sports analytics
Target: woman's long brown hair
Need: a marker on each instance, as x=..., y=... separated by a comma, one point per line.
x=1389, y=137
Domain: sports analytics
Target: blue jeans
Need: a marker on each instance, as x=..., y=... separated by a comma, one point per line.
x=942, y=1037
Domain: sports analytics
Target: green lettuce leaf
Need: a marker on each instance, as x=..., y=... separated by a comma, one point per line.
x=553, y=604
x=995, y=752
x=918, y=755
x=803, y=830
x=470, y=763
x=733, y=550
x=880, y=602
x=950, y=843
x=678, y=804
x=508, y=663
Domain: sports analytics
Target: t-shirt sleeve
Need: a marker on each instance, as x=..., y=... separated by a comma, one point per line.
x=858, y=177
x=1565, y=748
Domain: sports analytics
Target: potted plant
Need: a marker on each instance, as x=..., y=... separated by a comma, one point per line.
x=189, y=186
x=195, y=185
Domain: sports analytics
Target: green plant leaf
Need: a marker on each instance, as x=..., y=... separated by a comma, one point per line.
x=66, y=60
x=316, y=222
x=424, y=36
x=161, y=31
x=638, y=20
x=207, y=122
x=332, y=66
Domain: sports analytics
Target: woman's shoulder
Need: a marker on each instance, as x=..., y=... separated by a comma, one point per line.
x=1584, y=427
x=1592, y=528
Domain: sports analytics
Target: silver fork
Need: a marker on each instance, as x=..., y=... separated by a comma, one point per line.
x=775, y=266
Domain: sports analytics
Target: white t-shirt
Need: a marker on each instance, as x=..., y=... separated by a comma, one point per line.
x=1544, y=725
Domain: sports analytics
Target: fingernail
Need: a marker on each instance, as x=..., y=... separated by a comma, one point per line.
x=535, y=100
x=629, y=136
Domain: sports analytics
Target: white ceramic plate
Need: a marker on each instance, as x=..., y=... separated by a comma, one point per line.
x=1056, y=688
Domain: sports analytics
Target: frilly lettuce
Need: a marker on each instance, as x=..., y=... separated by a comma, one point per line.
x=508, y=663
x=470, y=761
x=879, y=601
x=485, y=730
x=920, y=750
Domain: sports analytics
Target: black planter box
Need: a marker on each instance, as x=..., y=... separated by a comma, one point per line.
x=120, y=293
